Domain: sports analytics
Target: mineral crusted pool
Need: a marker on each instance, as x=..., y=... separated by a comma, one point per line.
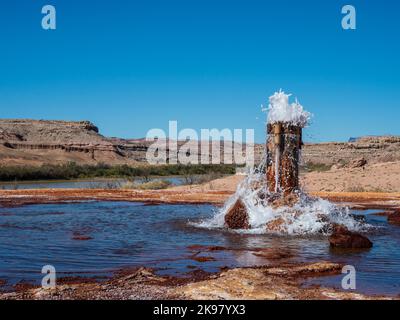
x=95, y=239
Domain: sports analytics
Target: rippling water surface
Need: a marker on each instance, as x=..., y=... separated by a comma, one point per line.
x=98, y=238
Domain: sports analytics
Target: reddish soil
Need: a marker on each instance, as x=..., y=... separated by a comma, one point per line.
x=359, y=200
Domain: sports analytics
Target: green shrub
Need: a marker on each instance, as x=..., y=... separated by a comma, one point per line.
x=152, y=185
x=319, y=167
x=74, y=171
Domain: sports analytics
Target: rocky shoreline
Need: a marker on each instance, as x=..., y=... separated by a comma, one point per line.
x=183, y=195
x=253, y=283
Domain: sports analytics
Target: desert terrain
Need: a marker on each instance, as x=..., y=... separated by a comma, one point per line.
x=366, y=164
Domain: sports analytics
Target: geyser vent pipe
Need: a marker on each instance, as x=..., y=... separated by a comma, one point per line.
x=277, y=129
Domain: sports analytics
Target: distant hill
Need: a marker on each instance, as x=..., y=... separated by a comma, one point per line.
x=352, y=139
x=34, y=142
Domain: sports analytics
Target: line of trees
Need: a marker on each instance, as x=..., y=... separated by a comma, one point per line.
x=74, y=171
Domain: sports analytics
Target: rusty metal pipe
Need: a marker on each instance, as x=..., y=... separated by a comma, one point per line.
x=277, y=130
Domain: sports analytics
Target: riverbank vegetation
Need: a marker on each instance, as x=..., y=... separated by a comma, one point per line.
x=318, y=167
x=74, y=171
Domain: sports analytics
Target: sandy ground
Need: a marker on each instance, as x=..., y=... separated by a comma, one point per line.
x=379, y=177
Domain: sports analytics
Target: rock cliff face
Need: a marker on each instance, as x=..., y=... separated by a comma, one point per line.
x=34, y=142
x=371, y=149
x=40, y=141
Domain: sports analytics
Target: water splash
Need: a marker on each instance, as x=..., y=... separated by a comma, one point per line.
x=278, y=212
x=308, y=215
x=280, y=110
x=277, y=157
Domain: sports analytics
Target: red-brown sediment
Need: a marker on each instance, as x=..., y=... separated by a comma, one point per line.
x=81, y=237
x=35, y=196
x=357, y=200
x=199, y=247
x=202, y=258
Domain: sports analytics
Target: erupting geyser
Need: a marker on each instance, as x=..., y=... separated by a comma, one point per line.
x=284, y=141
x=283, y=153
x=284, y=131
x=270, y=198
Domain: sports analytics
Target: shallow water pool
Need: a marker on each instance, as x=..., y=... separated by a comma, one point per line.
x=98, y=238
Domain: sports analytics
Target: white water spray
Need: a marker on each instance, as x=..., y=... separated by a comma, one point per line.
x=307, y=215
x=277, y=157
x=280, y=110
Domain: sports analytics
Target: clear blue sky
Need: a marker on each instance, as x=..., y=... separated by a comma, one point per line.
x=130, y=66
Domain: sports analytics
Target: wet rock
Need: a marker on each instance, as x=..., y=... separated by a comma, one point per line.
x=338, y=229
x=202, y=258
x=285, y=201
x=358, y=217
x=263, y=283
x=394, y=218
x=323, y=267
x=140, y=274
x=81, y=237
x=237, y=217
x=199, y=247
x=24, y=285
x=343, y=238
x=273, y=254
x=276, y=225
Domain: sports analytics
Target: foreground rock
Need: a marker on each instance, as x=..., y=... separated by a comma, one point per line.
x=267, y=284
x=237, y=217
x=358, y=163
x=394, y=218
x=140, y=284
x=282, y=282
x=343, y=238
